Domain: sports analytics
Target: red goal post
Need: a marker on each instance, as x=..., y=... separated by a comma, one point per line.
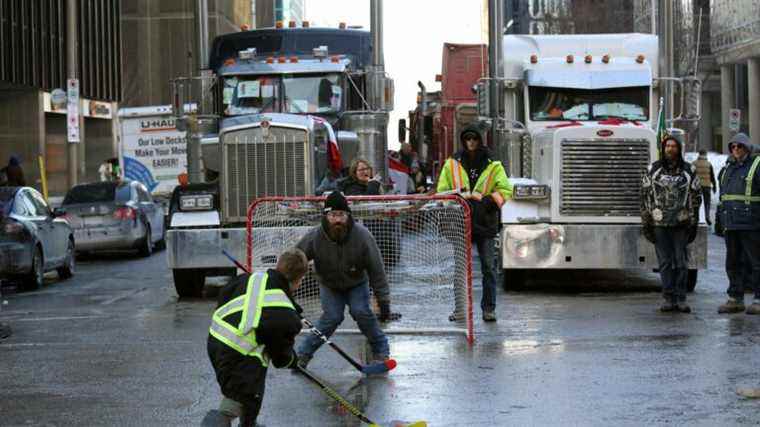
x=424, y=240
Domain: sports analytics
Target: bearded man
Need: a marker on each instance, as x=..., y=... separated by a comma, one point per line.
x=347, y=262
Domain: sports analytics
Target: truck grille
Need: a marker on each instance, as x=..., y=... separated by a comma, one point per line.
x=602, y=177
x=276, y=166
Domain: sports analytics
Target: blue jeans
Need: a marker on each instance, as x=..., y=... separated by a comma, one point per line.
x=486, y=248
x=333, y=308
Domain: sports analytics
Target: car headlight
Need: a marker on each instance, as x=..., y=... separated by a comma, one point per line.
x=530, y=192
x=195, y=202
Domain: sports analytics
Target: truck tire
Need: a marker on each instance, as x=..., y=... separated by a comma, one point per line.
x=691, y=282
x=513, y=279
x=189, y=282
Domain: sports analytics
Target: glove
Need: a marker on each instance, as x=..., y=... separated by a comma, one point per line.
x=490, y=204
x=385, y=313
x=692, y=233
x=648, y=232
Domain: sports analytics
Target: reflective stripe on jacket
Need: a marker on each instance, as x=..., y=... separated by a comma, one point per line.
x=493, y=181
x=740, y=195
x=242, y=337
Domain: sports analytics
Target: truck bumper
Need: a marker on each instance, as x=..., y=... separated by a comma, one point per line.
x=586, y=246
x=202, y=248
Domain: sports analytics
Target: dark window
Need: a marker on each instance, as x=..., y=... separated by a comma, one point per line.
x=102, y=192
x=557, y=104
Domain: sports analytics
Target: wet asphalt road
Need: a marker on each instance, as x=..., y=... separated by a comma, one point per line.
x=114, y=346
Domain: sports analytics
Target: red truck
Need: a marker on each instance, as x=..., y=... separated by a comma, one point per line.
x=435, y=123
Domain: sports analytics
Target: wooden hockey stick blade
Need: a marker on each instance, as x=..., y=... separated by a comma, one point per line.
x=379, y=367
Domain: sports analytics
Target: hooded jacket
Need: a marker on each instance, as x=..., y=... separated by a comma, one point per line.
x=353, y=187
x=345, y=264
x=243, y=377
x=477, y=173
x=14, y=174
x=739, y=210
x=670, y=192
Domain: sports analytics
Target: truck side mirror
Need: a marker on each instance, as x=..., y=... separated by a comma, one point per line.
x=402, y=130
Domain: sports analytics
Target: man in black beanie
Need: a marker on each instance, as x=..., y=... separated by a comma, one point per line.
x=347, y=262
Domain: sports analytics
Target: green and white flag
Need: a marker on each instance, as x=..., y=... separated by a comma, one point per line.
x=661, y=129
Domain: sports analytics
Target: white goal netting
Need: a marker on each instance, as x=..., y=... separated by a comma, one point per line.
x=424, y=242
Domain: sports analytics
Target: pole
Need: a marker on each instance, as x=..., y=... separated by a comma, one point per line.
x=665, y=33
x=72, y=71
x=198, y=89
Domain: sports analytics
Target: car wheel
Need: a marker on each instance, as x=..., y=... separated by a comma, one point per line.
x=36, y=277
x=189, y=282
x=691, y=283
x=161, y=244
x=146, y=247
x=67, y=269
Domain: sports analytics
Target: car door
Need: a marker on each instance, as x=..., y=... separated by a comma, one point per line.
x=148, y=208
x=43, y=225
x=60, y=229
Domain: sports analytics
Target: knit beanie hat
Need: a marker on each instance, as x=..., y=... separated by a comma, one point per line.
x=336, y=202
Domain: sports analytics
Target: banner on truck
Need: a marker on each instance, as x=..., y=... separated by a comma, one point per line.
x=153, y=152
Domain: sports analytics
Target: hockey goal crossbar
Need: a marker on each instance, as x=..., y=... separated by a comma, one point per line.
x=424, y=241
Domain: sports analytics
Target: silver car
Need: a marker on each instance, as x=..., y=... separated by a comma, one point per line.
x=111, y=215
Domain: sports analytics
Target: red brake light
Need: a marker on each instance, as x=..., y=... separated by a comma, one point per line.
x=125, y=213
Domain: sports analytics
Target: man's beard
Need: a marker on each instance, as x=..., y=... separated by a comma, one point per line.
x=337, y=232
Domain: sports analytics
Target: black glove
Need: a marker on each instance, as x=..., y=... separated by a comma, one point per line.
x=385, y=313
x=692, y=233
x=489, y=203
x=648, y=232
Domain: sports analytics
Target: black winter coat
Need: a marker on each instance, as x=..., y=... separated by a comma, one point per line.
x=242, y=378
x=352, y=187
x=737, y=215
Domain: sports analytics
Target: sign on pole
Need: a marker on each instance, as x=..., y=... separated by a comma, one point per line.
x=72, y=110
x=734, y=119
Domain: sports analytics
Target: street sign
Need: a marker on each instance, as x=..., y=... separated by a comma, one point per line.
x=734, y=119
x=72, y=110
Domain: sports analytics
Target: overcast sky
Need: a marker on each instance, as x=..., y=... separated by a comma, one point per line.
x=414, y=33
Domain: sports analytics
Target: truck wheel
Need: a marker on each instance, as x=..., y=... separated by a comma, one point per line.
x=189, y=282
x=692, y=280
x=513, y=279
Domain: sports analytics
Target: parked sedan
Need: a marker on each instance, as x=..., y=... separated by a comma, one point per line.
x=34, y=239
x=115, y=215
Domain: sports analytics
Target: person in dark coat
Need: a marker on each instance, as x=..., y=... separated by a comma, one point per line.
x=359, y=181
x=14, y=173
x=740, y=217
x=241, y=376
x=670, y=199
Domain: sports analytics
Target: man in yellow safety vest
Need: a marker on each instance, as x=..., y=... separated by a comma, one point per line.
x=255, y=324
x=483, y=182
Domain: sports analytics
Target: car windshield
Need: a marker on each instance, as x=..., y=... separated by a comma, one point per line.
x=102, y=192
x=289, y=93
x=563, y=104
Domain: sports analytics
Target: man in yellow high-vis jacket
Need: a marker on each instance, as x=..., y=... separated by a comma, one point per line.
x=255, y=324
x=484, y=183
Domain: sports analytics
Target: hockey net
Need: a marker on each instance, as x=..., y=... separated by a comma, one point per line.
x=424, y=242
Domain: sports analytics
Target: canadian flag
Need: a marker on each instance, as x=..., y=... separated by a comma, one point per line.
x=334, y=159
x=399, y=175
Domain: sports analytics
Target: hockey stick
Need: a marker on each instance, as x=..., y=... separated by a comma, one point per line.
x=370, y=369
x=346, y=404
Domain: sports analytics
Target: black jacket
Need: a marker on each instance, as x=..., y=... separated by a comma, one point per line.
x=242, y=377
x=352, y=187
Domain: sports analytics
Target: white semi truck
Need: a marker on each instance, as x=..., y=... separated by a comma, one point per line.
x=579, y=130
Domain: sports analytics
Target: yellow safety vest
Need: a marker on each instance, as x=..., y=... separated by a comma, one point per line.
x=493, y=181
x=747, y=198
x=242, y=337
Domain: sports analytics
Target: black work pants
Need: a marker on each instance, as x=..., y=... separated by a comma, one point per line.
x=743, y=262
x=672, y=256
x=706, y=195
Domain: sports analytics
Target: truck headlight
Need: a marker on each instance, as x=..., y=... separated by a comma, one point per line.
x=530, y=192
x=194, y=202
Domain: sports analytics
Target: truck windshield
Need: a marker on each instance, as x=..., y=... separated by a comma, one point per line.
x=311, y=94
x=558, y=104
x=251, y=95
x=288, y=93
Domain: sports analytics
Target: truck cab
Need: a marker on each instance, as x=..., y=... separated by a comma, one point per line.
x=581, y=113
